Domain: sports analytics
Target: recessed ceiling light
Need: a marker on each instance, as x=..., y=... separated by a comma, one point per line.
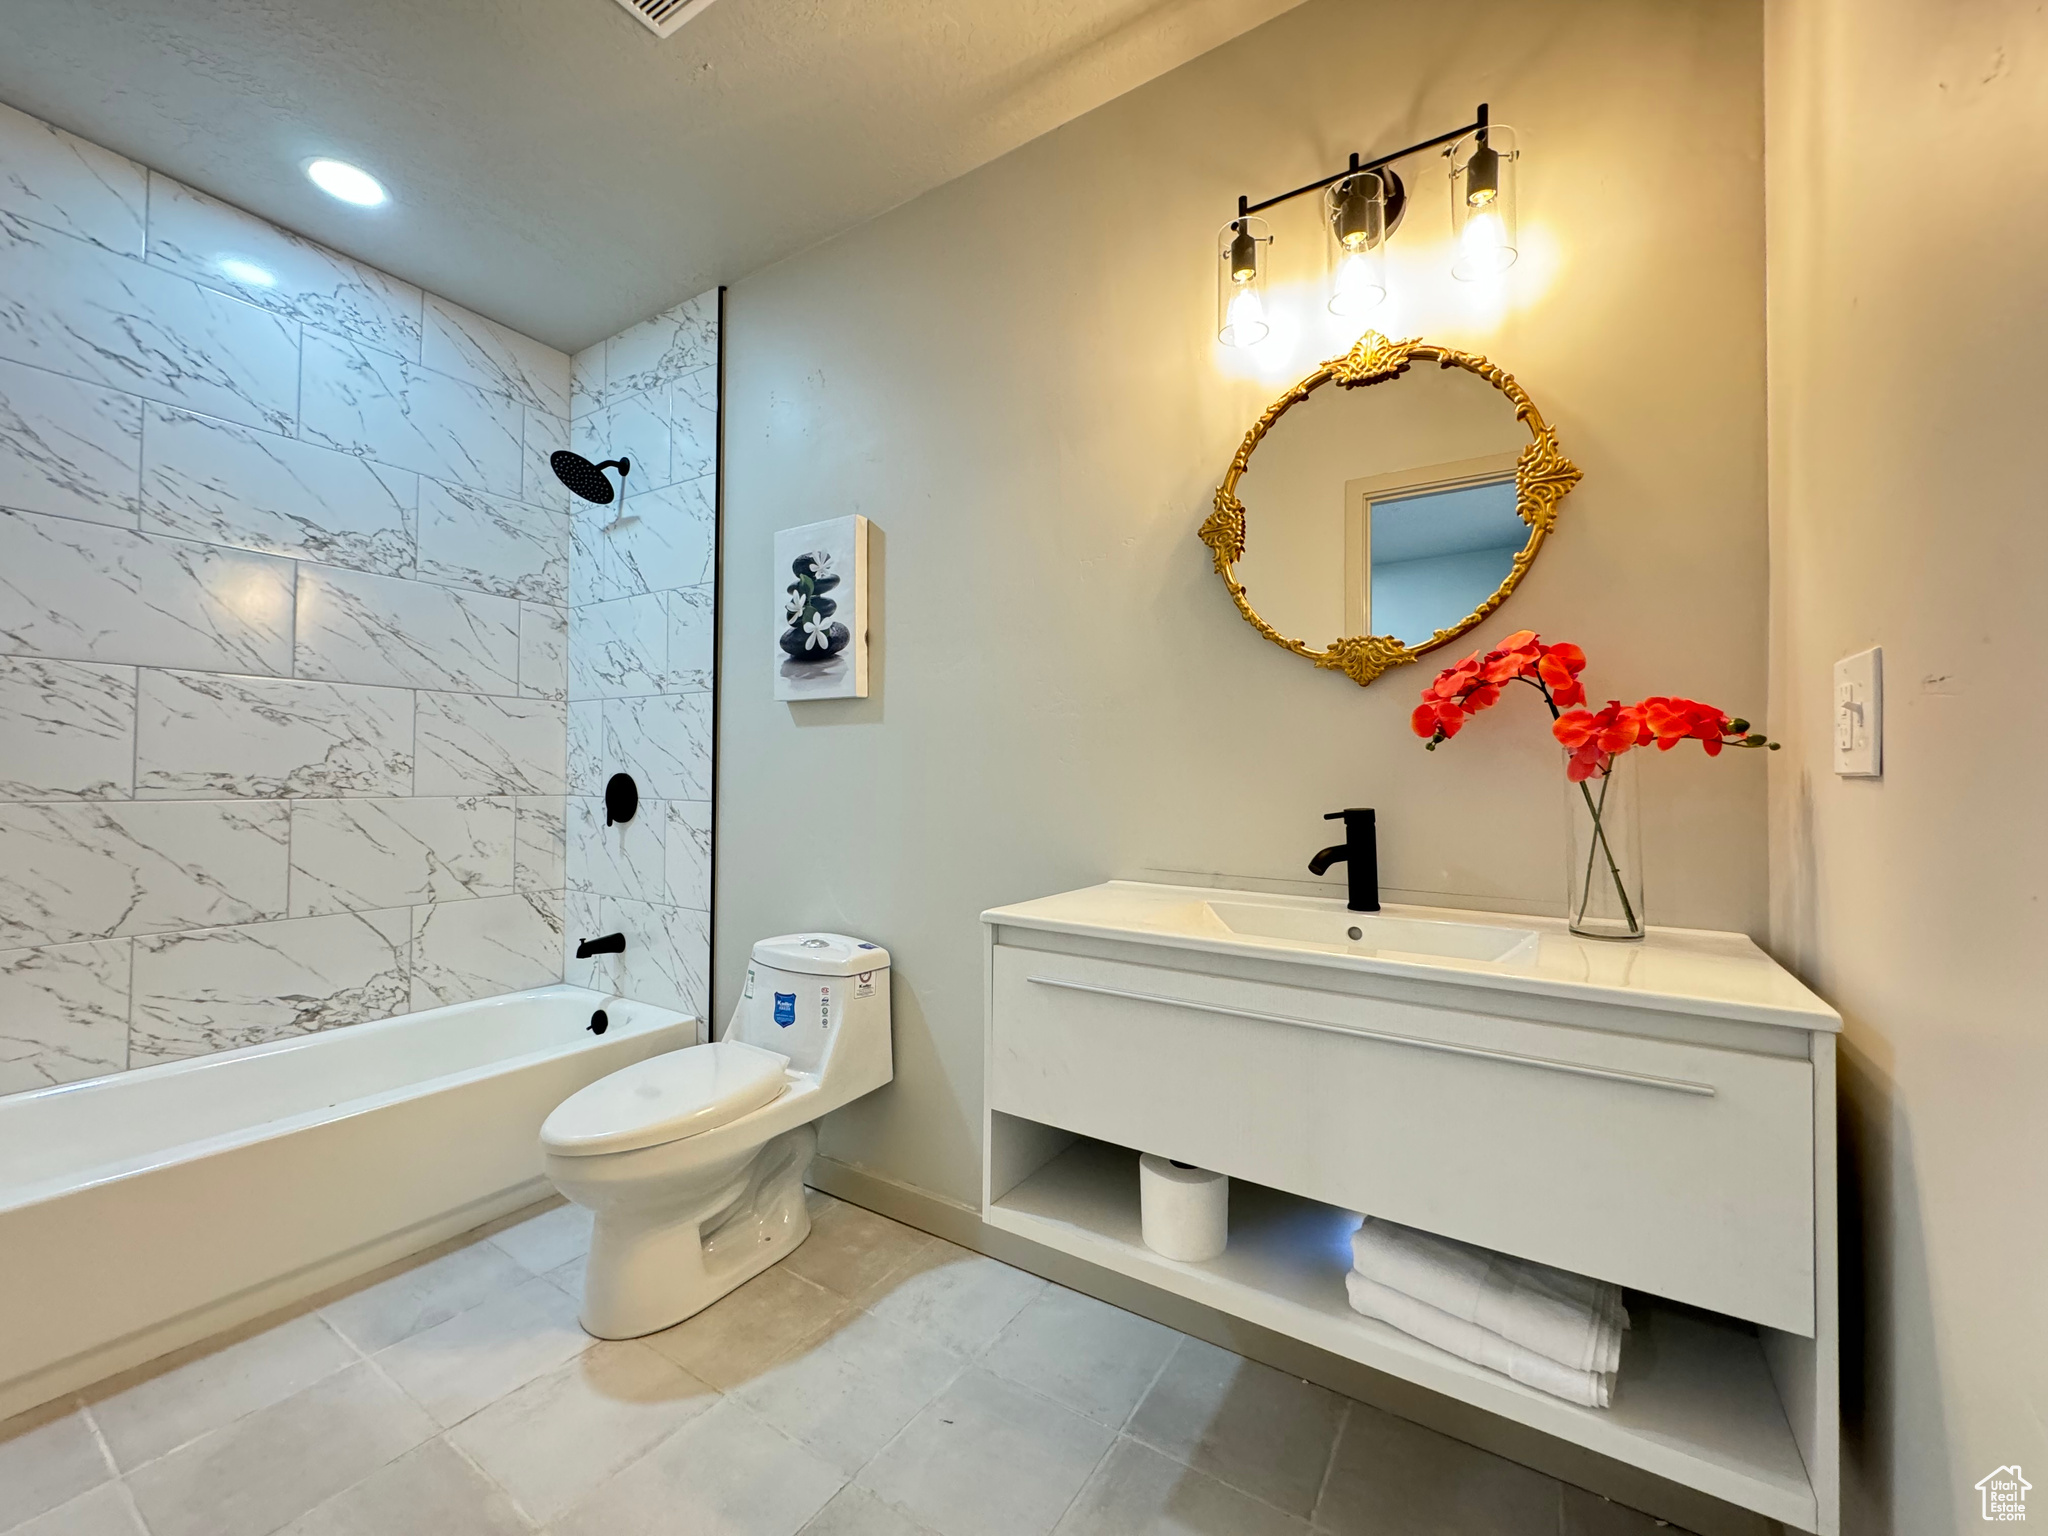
x=247, y=272
x=337, y=178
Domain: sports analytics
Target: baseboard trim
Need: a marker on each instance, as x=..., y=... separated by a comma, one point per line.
x=1616, y=1480
x=140, y=1348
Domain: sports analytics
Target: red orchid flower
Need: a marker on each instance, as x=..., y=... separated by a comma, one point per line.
x=1593, y=739
x=1674, y=720
x=1559, y=671
x=1475, y=683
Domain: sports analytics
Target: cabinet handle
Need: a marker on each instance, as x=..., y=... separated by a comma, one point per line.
x=1643, y=1079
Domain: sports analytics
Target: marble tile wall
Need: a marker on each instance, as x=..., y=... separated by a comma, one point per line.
x=285, y=627
x=642, y=621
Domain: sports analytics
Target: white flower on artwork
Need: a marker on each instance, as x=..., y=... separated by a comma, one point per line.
x=821, y=603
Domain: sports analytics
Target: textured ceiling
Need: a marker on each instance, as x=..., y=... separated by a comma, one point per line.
x=554, y=165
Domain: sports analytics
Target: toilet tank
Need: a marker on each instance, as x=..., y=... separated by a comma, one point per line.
x=822, y=1000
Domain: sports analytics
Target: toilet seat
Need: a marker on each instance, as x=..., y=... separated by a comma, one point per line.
x=666, y=1098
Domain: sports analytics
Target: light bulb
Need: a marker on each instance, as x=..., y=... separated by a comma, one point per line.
x=1357, y=287
x=1482, y=175
x=1246, y=319
x=1483, y=172
x=1483, y=248
x=1241, y=281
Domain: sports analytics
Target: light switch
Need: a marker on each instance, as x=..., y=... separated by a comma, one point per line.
x=1859, y=715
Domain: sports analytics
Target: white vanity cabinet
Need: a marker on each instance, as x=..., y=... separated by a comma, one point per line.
x=1658, y=1114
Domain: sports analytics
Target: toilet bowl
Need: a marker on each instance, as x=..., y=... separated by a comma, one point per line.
x=693, y=1161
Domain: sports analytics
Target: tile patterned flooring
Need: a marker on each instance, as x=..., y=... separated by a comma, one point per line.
x=877, y=1382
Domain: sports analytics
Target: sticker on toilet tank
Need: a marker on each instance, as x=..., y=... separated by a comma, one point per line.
x=864, y=984
x=785, y=1008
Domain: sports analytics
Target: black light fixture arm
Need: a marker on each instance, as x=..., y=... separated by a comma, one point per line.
x=1245, y=207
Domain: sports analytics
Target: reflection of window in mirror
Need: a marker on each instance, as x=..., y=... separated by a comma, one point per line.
x=1424, y=547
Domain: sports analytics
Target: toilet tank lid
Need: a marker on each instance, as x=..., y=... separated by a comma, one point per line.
x=821, y=954
x=665, y=1098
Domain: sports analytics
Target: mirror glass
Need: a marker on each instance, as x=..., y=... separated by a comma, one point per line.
x=1388, y=509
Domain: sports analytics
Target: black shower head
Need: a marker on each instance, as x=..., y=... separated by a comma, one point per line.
x=585, y=478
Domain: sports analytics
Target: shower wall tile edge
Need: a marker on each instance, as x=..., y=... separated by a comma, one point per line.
x=643, y=617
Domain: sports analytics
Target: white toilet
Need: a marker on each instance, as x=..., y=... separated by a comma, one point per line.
x=694, y=1161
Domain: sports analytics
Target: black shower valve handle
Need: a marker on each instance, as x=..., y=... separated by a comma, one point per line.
x=621, y=799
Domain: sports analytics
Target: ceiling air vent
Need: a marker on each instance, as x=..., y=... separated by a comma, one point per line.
x=662, y=17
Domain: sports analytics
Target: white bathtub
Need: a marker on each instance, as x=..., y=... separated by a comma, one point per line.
x=146, y=1210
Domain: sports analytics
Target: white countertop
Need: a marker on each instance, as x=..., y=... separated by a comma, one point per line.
x=1680, y=970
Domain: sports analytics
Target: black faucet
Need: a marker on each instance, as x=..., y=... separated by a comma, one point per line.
x=1360, y=852
x=610, y=944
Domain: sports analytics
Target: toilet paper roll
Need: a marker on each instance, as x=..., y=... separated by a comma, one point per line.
x=1183, y=1212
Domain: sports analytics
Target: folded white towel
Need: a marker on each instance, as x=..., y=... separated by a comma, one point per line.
x=1482, y=1346
x=1551, y=1312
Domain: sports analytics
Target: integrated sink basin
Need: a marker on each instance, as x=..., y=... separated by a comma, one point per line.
x=1316, y=926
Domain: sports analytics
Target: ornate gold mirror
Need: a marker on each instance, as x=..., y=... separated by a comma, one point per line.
x=1395, y=511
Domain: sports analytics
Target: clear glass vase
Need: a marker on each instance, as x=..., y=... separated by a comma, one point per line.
x=1604, y=853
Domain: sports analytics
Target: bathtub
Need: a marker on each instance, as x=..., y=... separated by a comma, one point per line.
x=146, y=1210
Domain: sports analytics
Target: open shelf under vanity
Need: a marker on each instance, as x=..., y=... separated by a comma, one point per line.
x=1695, y=1400
x=1660, y=1115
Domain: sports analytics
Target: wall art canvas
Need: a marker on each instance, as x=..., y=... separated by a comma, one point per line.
x=821, y=604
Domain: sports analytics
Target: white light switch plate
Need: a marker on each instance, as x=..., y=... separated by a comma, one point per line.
x=1859, y=715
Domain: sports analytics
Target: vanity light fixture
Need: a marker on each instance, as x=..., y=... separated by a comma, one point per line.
x=1362, y=206
x=1356, y=210
x=1483, y=201
x=1241, y=282
x=349, y=183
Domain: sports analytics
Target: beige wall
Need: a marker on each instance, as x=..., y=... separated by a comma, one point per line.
x=1014, y=376
x=1908, y=214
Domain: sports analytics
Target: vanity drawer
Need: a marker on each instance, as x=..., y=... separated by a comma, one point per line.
x=1679, y=1169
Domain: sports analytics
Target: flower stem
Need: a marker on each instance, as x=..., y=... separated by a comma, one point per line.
x=1592, y=850
x=1601, y=845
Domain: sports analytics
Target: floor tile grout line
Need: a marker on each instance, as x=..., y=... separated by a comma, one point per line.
x=1216, y=1477
x=950, y=1383
x=320, y=1314
x=1315, y=1508
x=127, y=1496
x=633, y=1461
x=1086, y=1483
x=374, y=1471
x=1124, y=1429
x=191, y=1354
x=399, y=1387
x=99, y=1436
x=445, y=1438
